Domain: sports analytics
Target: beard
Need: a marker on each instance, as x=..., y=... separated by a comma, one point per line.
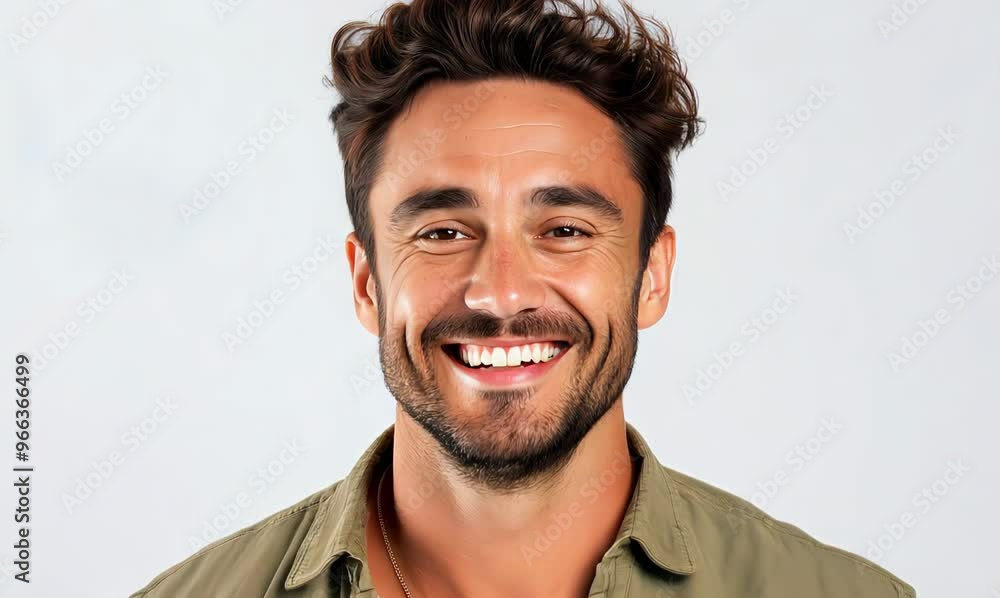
x=515, y=442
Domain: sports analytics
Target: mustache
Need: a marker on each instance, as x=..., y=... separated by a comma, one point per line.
x=478, y=324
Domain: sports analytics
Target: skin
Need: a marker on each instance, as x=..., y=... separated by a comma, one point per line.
x=478, y=473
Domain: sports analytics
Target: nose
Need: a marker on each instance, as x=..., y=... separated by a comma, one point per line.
x=506, y=281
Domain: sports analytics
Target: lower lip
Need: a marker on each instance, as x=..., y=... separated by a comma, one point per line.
x=504, y=376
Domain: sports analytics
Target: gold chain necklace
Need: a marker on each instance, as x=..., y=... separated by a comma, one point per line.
x=385, y=538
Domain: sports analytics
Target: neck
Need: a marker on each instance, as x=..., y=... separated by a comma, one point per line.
x=455, y=539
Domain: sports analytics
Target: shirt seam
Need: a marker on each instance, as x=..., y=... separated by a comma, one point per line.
x=630, y=571
x=274, y=520
x=674, y=497
x=901, y=587
x=302, y=559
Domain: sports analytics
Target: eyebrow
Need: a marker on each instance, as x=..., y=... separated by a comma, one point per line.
x=425, y=200
x=441, y=198
x=583, y=196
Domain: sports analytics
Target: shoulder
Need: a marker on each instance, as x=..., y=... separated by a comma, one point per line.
x=249, y=558
x=728, y=527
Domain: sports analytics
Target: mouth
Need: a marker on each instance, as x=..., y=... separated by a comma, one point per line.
x=505, y=363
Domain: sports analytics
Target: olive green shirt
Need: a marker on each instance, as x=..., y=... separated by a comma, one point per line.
x=680, y=538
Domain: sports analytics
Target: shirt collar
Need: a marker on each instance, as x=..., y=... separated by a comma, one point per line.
x=653, y=520
x=339, y=527
x=338, y=530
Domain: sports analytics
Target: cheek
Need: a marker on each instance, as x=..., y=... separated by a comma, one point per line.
x=600, y=283
x=599, y=292
x=419, y=293
x=408, y=304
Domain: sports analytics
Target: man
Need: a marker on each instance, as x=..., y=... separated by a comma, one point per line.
x=507, y=169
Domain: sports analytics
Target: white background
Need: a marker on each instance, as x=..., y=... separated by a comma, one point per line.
x=306, y=374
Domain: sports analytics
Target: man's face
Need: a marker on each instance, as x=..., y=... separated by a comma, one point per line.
x=506, y=224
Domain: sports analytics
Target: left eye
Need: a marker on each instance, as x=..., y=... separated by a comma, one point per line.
x=442, y=234
x=566, y=232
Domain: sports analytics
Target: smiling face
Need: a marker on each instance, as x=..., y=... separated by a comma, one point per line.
x=507, y=294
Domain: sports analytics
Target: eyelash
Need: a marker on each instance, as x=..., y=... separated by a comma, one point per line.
x=582, y=232
x=426, y=235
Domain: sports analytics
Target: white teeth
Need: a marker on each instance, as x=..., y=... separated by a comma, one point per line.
x=476, y=355
x=514, y=356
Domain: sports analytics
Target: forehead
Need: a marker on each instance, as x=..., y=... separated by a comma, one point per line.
x=500, y=138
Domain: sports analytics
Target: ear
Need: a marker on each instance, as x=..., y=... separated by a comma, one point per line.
x=655, y=291
x=363, y=283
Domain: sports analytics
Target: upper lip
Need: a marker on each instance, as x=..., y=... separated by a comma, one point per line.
x=506, y=341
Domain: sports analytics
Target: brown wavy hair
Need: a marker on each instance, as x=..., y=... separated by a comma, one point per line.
x=626, y=65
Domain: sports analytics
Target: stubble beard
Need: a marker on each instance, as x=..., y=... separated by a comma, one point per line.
x=516, y=443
